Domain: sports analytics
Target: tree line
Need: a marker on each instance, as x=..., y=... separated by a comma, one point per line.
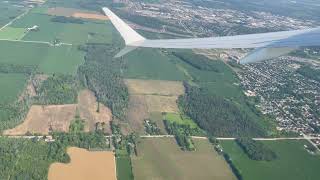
x=101, y=74
x=256, y=150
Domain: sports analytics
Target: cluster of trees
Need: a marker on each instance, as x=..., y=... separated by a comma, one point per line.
x=309, y=72
x=63, y=19
x=256, y=150
x=77, y=125
x=125, y=145
x=151, y=127
x=217, y=116
x=15, y=68
x=30, y=159
x=101, y=74
x=198, y=61
x=12, y=114
x=57, y=89
x=182, y=134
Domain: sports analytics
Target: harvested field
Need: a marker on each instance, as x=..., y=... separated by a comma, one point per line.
x=162, y=103
x=162, y=159
x=77, y=13
x=46, y=118
x=148, y=96
x=60, y=11
x=138, y=112
x=89, y=16
x=85, y=165
x=87, y=106
x=42, y=119
x=155, y=87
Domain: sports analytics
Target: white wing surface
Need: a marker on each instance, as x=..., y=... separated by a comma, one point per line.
x=269, y=45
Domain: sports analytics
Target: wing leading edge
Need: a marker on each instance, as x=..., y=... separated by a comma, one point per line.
x=269, y=45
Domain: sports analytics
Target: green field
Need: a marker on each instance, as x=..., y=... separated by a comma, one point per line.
x=11, y=85
x=293, y=162
x=151, y=64
x=60, y=59
x=180, y=119
x=124, y=171
x=9, y=11
x=93, y=31
x=161, y=158
x=12, y=33
x=123, y=165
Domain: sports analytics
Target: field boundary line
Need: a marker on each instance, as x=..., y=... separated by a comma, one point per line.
x=18, y=17
x=37, y=42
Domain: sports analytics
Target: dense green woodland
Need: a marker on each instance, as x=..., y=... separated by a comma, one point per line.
x=310, y=72
x=101, y=73
x=30, y=159
x=216, y=115
x=256, y=150
x=58, y=89
x=16, y=68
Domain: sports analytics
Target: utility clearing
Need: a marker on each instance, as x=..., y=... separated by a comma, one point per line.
x=84, y=165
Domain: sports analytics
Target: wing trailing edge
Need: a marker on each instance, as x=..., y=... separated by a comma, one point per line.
x=267, y=45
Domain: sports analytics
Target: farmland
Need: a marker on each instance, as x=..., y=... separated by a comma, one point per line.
x=12, y=33
x=151, y=64
x=50, y=60
x=179, y=119
x=293, y=161
x=151, y=96
x=43, y=119
x=96, y=165
x=11, y=85
x=8, y=11
x=155, y=87
x=64, y=32
x=161, y=158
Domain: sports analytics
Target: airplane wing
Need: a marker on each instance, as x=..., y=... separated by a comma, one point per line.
x=268, y=45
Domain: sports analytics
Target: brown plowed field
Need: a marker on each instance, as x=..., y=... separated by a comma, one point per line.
x=85, y=165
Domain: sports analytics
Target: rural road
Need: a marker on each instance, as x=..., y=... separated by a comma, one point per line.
x=18, y=17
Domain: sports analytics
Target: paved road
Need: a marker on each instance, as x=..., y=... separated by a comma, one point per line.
x=222, y=138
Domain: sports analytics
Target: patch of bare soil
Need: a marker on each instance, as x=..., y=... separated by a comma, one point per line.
x=162, y=103
x=137, y=112
x=84, y=165
x=42, y=119
x=91, y=113
x=155, y=87
x=89, y=16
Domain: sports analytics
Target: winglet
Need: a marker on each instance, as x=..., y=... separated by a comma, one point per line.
x=128, y=34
